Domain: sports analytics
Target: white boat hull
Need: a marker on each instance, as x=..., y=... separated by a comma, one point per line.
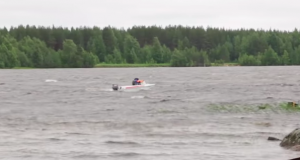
x=143, y=85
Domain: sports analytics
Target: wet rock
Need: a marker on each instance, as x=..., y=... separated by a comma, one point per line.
x=295, y=148
x=295, y=158
x=273, y=139
x=292, y=140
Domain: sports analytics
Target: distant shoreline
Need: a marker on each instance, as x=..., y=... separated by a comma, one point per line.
x=126, y=65
x=104, y=65
x=107, y=65
x=30, y=46
x=225, y=64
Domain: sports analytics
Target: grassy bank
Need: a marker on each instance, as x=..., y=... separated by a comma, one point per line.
x=106, y=65
x=225, y=64
x=21, y=68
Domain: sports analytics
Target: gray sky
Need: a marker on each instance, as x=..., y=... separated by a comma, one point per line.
x=265, y=14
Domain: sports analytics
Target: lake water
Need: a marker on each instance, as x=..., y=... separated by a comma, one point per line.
x=78, y=116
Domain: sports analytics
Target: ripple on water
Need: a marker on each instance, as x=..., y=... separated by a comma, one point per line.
x=80, y=117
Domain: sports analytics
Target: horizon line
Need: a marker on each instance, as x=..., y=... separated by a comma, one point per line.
x=146, y=26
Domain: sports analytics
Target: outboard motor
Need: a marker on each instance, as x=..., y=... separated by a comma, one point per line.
x=115, y=87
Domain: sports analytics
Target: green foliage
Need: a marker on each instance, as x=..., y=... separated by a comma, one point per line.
x=282, y=107
x=96, y=45
x=52, y=47
x=248, y=60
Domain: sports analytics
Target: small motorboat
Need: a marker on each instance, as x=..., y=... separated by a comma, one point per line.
x=143, y=84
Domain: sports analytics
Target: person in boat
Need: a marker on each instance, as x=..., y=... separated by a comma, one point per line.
x=136, y=81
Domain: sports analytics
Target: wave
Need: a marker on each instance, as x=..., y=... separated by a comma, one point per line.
x=138, y=97
x=124, y=154
x=50, y=80
x=122, y=142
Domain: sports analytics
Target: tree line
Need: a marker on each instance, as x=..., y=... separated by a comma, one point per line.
x=52, y=47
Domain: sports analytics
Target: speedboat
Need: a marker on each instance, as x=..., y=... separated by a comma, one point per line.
x=116, y=87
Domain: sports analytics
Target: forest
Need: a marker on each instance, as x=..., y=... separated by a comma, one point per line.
x=179, y=46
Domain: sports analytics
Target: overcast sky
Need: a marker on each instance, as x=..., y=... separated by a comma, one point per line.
x=265, y=14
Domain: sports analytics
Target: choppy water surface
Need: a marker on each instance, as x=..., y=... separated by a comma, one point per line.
x=79, y=117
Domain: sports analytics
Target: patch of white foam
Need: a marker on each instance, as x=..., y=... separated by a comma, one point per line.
x=97, y=89
x=50, y=80
x=107, y=90
x=137, y=97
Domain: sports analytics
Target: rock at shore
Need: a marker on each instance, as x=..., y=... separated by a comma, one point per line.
x=292, y=140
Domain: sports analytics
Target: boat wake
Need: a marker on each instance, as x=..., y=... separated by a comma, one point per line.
x=127, y=88
x=97, y=90
x=138, y=97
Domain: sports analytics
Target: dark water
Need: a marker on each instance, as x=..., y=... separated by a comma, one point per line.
x=78, y=117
